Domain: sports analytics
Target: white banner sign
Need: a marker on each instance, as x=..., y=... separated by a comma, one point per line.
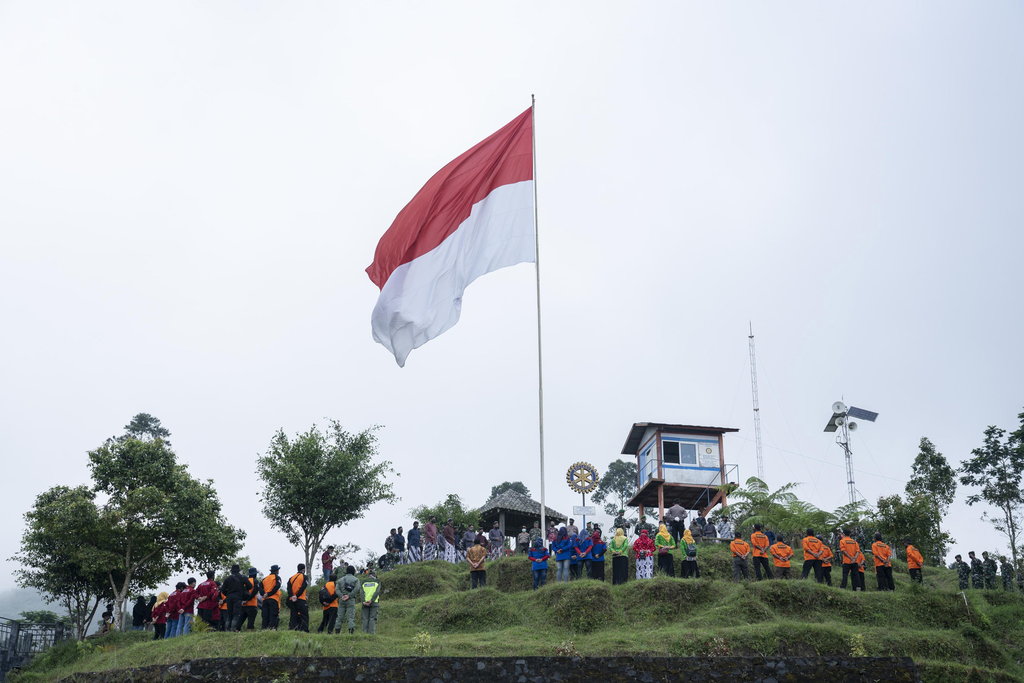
x=584, y=510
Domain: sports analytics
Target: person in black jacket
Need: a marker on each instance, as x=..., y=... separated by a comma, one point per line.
x=141, y=613
x=234, y=591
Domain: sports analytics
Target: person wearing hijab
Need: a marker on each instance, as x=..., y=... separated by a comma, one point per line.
x=689, y=563
x=597, y=550
x=160, y=614
x=575, y=561
x=583, y=547
x=562, y=548
x=539, y=563
x=619, y=546
x=665, y=544
x=643, y=548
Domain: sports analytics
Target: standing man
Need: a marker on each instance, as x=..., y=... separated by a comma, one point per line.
x=883, y=564
x=726, y=529
x=676, y=521
x=848, y=549
x=781, y=554
x=915, y=560
x=812, y=556
x=430, y=539
x=989, y=567
x=468, y=538
x=477, y=573
x=496, y=537
x=234, y=592
x=523, y=542
x=327, y=562
x=622, y=523
x=348, y=590
x=535, y=531
x=398, y=544
x=208, y=593
x=963, y=572
x=826, y=562
x=414, y=538
x=271, y=589
x=740, y=553
x=759, y=545
x=448, y=536
x=297, y=585
x=1006, y=571
x=858, y=577
x=329, y=599
x=642, y=525
x=369, y=596
x=172, y=609
x=250, y=604
x=977, y=572
x=186, y=607
x=572, y=528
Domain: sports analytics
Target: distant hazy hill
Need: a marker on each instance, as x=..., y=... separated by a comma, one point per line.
x=14, y=601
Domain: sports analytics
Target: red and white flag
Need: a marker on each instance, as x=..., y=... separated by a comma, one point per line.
x=473, y=216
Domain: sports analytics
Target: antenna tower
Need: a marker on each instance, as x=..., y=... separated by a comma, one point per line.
x=757, y=408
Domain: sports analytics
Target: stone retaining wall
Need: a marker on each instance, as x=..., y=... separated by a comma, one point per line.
x=520, y=669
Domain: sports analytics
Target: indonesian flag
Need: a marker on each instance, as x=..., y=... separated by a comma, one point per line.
x=473, y=216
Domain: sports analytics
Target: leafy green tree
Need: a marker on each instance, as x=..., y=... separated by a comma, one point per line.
x=450, y=508
x=996, y=468
x=145, y=426
x=617, y=486
x=755, y=503
x=39, y=616
x=932, y=476
x=58, y=553
x=915, y=518
x=320, y=480
x=516, y=486
x=156, y=519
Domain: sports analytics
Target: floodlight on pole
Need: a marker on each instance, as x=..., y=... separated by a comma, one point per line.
x=841, y=422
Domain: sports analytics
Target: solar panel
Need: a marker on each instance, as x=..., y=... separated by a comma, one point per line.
x=831, y=426
x=862, y=414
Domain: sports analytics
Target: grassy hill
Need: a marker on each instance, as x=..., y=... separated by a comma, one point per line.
x=950, y=639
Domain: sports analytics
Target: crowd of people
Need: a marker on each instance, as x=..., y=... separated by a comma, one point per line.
x=233, y=603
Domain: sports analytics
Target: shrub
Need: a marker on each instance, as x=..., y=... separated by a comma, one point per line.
x=475, y=610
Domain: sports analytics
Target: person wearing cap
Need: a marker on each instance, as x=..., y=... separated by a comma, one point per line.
x=271, y=590
x=249, y=605
x=297, y=585
x=523, y=541
x=327, y=562
x=347, y=588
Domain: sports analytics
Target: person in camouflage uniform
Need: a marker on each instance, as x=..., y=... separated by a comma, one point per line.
x=1006, y=570
x=535, y=531
x=644, y=524
x=977, y=571
x=621, y=522
x=988, y=566
x=963, y=572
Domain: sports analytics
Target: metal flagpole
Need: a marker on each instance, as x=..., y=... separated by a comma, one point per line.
x=540, y=363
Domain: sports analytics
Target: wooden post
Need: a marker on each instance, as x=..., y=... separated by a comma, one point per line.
x=721, y=467
x=661, y=499
x=501, y=522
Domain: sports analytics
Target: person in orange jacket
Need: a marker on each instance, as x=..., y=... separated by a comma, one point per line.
x=740, y=553
x=858, y=575
x=781, y=554
x=883, y=564
x=812, y=556
x=826, y=561
x=759, y=544
x=848, y=549
x=915, y=560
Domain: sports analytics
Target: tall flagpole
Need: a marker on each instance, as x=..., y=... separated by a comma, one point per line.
x=540, y=363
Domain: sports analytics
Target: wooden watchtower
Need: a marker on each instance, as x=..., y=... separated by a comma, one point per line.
x=682, y=464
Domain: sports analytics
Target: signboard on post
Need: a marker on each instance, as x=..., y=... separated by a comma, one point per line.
x=584, y=510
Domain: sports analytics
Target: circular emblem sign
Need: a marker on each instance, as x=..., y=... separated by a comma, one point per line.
x=582, y=477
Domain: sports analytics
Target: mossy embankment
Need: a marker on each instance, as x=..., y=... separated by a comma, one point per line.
x=949, y=637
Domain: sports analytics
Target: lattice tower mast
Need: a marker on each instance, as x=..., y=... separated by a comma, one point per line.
x=757, y=408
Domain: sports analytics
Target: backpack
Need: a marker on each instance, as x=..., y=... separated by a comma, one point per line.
x=326, y=597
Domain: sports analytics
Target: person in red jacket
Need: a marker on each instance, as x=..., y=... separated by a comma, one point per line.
x=208, y=593
x=186, y=607
x=160, y=614
x=172, y=609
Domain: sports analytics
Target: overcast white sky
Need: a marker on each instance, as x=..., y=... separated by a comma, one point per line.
x=190, y=191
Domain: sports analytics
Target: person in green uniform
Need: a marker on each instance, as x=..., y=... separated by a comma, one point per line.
x=963, y=572
x=348, y=594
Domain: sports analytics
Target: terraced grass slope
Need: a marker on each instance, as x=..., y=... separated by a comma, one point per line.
x=427, y=609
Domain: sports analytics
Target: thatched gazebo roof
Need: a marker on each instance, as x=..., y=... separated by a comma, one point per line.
x=512, y=510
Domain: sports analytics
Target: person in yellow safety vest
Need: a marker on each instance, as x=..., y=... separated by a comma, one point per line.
x=812, y=556
x=369, y=596
x=271, y=590
x=848, y=549
x=297, y=585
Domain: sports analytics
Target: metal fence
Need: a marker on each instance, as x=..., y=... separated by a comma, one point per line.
x=19, y=642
